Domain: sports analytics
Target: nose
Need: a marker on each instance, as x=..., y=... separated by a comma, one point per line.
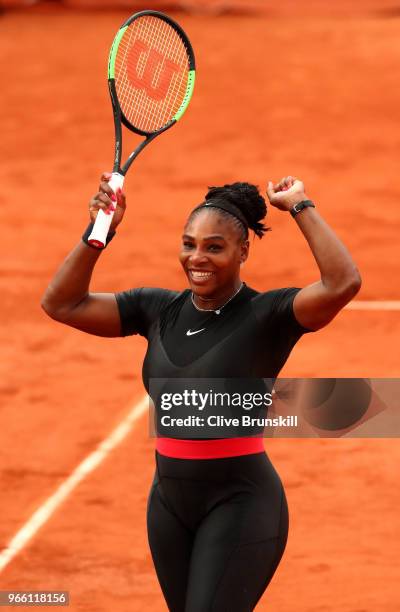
x=197, y=257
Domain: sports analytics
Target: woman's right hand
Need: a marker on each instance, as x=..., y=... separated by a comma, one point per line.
x=106, y=200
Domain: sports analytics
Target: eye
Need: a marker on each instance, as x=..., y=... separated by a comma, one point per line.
x=187, y=245
x=215, y=248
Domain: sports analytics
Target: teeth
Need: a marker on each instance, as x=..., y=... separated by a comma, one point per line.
x=196, y=274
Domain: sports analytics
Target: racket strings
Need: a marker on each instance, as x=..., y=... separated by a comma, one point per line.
x=181, y=80
x=174, y=52
x=150, y=119
x=151, y=73
x=147, y=111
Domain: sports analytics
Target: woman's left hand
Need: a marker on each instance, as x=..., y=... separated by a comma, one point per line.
x=285, y=194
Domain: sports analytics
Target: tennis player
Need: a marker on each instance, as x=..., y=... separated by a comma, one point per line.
x=217, y=511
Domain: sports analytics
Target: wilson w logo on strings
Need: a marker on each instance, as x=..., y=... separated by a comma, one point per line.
x=150, y=70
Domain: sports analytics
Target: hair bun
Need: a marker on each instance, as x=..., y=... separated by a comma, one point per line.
x=247, y=198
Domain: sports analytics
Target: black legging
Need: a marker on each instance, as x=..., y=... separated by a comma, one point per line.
x=217, y=531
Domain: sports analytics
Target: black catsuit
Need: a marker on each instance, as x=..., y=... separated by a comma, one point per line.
x=217, y=527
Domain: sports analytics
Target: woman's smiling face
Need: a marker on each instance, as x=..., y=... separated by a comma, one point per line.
x=211, y=253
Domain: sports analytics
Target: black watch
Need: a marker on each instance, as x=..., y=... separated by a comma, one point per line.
x=300, y=206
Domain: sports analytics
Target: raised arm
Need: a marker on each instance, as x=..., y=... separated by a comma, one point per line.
x=317, y=304
x=67, y=298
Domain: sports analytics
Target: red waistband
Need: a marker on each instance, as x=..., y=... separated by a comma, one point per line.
x=209, y=449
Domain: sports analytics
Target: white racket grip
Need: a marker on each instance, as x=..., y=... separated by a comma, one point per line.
x=102, y=224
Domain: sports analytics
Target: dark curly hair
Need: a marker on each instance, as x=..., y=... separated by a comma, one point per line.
x=245, y=197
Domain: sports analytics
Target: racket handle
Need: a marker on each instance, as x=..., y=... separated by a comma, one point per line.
x=102, y=224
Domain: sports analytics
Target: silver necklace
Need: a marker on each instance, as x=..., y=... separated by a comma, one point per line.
x=218, y=311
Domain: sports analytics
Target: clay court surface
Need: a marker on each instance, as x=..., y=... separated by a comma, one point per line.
x=285, y=92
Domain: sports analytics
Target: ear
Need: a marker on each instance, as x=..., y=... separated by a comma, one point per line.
x=244, y=251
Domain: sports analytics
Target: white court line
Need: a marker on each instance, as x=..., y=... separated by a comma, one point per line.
x=373, y=305
x=88, y=465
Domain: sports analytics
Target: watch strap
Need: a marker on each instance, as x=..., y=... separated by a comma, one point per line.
x=301, y=206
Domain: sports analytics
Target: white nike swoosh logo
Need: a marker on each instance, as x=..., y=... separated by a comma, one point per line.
x=192, y=333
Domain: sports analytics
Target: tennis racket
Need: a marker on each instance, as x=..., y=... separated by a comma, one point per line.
x=151, y=74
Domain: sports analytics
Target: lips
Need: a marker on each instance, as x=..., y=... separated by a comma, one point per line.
x=200, y=276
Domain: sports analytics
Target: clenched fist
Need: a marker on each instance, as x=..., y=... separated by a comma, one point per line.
x=285, y=194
